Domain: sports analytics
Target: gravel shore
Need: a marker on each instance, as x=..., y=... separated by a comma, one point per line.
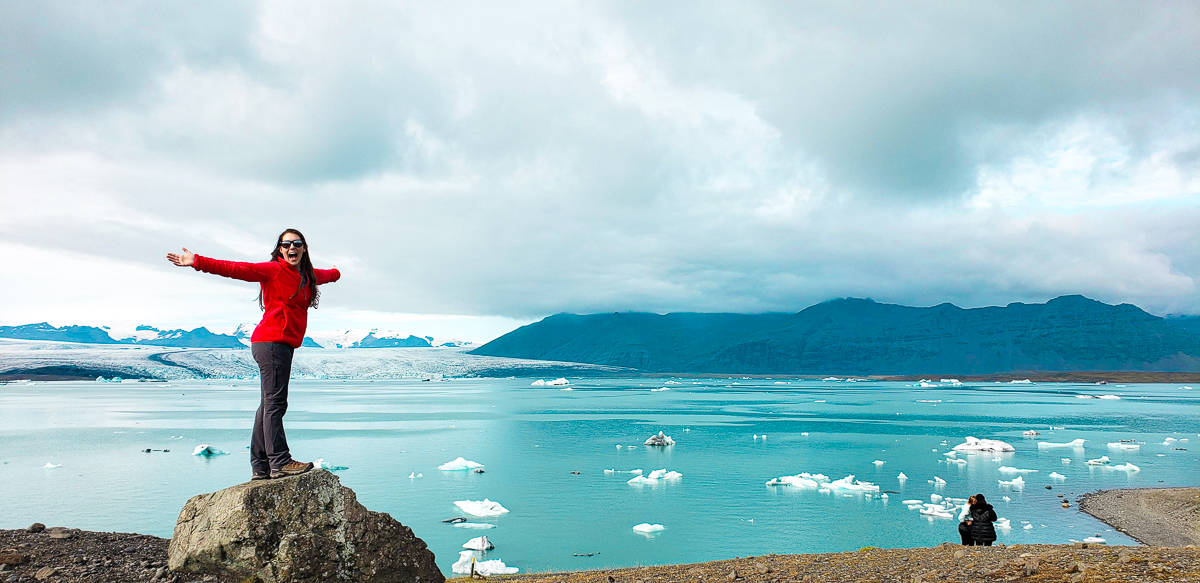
x=66, y=554
x=1152, y=516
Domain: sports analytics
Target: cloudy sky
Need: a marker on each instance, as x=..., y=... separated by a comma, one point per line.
x=470, y=167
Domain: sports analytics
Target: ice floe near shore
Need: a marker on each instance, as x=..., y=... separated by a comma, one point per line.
x=823, y=483
x=1057, y=476
x=321, y=464
x=1125, y=467
x=1017, y=483
x=468, y=562
x=459, y=464
x=971, y=444
x=482, y=508
x=479, y=543
x=647, y=528
x=1098, y=461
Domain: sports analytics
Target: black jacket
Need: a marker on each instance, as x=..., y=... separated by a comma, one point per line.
x=982, y=516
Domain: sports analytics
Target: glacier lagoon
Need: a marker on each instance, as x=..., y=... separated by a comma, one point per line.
x=532, y=440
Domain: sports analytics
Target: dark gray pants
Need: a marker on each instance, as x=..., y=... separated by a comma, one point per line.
x=268, y=444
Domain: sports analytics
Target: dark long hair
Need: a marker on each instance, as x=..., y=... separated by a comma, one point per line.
x=980, y=501
x=307, y=277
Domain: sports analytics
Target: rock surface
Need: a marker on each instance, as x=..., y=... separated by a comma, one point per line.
x=298, y=529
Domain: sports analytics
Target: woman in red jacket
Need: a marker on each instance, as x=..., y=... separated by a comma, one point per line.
x=288, y=288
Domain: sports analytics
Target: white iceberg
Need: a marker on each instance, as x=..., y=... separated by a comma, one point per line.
x=475, y=525
x=989, y=445
x=51, y=465
x=558, y=382
x=935, y=497
x=538, y=383
x=1075, y=443
x=206, y=450
x=483, y=507
x=1065, y=460
x=611, y=471
x=801, y=480
x=1098, y=461
x=902, y=477
x=321, y=464
x=459, y=464
x=1012, y=470
x=479, y=543
x=1057, y=476
x=1109, y=397
x=468, y=562
x=1031, y=433
x=879, y=463
x=647, y=528
x=1126, y=467
x=1028, y=527
x=1170, y=441
x=659, y=440
x=1096, y=540
x=936, y=512
x=655, y=477
x=849, y=484
x=415, y=475
x=1020, y=382
x=1002, y=524
x=1017, y=483
x=658, y=390
x=1123, y=446
x=937, y=482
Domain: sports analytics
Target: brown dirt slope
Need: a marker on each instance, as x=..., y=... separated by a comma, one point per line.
x=1153, y=516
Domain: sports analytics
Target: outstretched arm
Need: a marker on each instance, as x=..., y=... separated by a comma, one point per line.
x=232, y=269
x=325, y=276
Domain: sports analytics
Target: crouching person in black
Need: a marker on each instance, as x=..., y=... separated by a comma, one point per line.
x=979, y=521
x=964, y=525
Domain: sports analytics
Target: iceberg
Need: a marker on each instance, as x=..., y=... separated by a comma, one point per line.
x=1057, y=476
x=1098, y=461
x=479, y=543
x=1031, y=433
x=459, y=464
x=658, y=390
x=610, y=472
x=206, y=450
x=1028, y=527
x=538, y=383
x=415, y=475
x=475, y=525
x=51, y=465
x=468, y=563
x=1169, y=441
x=1073, y=443
x=936, y=512
x=1017, y=483
x=937, y=482
x=1002, y=523
x=902, y=477
x=1012, y=470
x=1124, y=446
x=935, y=497
x=1096, y=540
x=849, y=484
x=321, y=464
x=879, y=463
x=801, y=480
x=655, y=477
x=988, y=445
x=1109, y=397
x=558, y=382
x=1021, y=382
x=659, y=440
x=483, y=507
x=1125, y=467
x=1065, y=460
x=647, y=528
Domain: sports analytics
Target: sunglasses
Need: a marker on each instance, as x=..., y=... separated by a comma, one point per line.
x=296, y=243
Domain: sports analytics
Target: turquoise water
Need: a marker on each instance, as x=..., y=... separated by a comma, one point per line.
x=532, y=438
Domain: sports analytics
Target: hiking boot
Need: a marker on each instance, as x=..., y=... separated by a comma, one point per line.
x=292, y=468
x=260, y=476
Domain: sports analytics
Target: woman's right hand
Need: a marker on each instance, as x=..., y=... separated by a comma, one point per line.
x=182, y=260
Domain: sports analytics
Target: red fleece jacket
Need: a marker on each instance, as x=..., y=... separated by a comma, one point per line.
x=285, y=316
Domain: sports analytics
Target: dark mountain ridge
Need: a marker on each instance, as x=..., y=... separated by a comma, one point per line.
x=861, y=336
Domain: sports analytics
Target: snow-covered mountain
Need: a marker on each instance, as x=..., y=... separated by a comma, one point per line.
x=378, y=338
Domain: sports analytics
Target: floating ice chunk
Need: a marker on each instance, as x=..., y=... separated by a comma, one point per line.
x=1169, y=441
x=468, y=560
x=207, y=450
x=902, y=477
x=475, y=525
x=832, y=379
x=321, y=464
x=1028, y=527
x=803, y=434
x=415, y=475
x=672, y=383
x=951, y=454
x=801, y=480
x=1109, y=397
x=1012, y=470
x=647, y=528
x=559, y=382
x=990, y=445
x=1057, y=476
x=959, y=461
x=927, y=385
x=1124, y=446
x=1085, y=396
x=1006, y=498
x=1002, y=524
x=929, y=400
x=937, y=482
x=1065, y=460
x=849, y=484
x=459, y=464
x=1098, y=461
x=1021, y=382
x=936, y=497
x=1126, y=467
x=954, y=382
x=538, y=383
x=1075, y=443
x=566, y=389
x=51, y=465
x=1186, y=388
x=912, y=502
x=483, y=507
x=1096, y=540
x=479, y=543
x=658, y=390
x=655, y=477
x=610, y=472
x=659, y=440
x=936, y=512
x=1017, y=483
x=879, y=463
x=1031, y=433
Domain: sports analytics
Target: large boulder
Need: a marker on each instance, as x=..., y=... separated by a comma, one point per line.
x=297, y=529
